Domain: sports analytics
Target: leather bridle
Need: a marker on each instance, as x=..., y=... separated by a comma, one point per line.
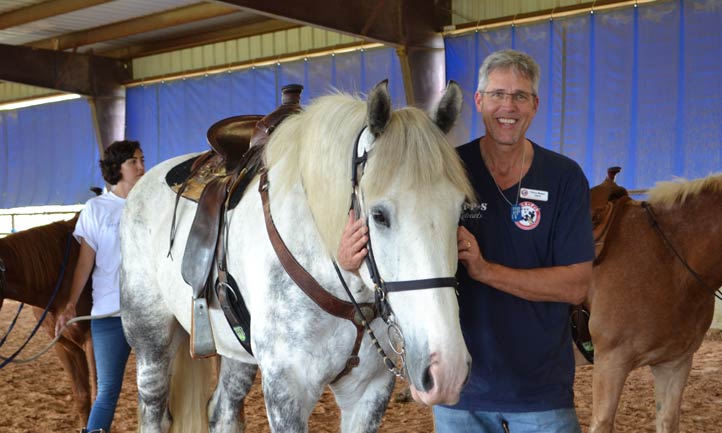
x=362, y=147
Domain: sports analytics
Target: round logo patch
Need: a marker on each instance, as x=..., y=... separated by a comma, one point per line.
x=530, y=216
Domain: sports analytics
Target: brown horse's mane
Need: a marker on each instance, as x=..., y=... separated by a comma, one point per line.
x=34, y=256
x=677, y=191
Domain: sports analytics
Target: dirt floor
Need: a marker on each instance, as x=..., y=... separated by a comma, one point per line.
x=35, y=397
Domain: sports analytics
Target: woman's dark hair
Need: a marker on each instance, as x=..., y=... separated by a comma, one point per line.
x=115, y=155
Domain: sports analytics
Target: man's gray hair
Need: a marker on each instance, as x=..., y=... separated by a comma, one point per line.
x=519, y=62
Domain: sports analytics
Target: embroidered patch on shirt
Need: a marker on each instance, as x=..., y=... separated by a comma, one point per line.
x=530, y=216
x=534, y=194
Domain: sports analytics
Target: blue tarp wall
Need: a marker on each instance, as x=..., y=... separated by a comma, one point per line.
x=636, y=87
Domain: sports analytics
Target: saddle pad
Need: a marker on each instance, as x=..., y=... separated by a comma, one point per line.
x=214, y=168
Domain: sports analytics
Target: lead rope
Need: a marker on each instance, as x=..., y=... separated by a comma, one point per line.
x=57, y=337
x=655, y=225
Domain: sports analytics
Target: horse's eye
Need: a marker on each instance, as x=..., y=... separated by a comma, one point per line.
x=380, y=218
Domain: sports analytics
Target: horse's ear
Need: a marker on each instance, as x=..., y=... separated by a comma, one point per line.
x=449, y=107
x=379, y=108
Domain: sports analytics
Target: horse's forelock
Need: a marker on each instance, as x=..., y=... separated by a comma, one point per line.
x=413, y=153
x=677, y=191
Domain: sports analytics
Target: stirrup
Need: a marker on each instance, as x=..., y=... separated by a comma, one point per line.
x=202, y=344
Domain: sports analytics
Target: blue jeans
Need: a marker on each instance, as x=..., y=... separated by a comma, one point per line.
x=461, y=421
x=111, y=354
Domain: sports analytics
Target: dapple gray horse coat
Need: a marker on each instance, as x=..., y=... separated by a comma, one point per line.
x=413, y=188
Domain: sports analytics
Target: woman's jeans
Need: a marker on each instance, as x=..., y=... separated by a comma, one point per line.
x=111, y=354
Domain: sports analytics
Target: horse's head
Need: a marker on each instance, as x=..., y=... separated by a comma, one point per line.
x=411, y=193
x=411, y=189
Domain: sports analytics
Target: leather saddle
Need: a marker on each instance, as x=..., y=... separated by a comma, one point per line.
x=217, y=180
x=606, y=201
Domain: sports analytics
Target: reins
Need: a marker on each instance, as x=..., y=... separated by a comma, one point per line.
x=655, y=225
x=12, y=324
x=63, y=267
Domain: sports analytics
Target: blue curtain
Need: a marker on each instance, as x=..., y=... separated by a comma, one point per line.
x=636, y=87
x=172, y=118
x=48, y=155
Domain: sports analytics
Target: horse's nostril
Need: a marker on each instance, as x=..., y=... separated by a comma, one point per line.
x=428, y=380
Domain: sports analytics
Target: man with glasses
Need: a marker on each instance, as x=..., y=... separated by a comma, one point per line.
x=526, y=251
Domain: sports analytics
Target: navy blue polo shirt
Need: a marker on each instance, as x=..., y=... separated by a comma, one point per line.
x=522, y=358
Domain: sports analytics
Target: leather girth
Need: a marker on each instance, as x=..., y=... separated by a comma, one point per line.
x=329, y=303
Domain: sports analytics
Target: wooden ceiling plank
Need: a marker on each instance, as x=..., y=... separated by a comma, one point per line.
x=226, y=33
x=44, y=10
x=182, y=15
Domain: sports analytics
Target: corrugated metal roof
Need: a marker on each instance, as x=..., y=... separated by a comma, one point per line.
x=103, y=14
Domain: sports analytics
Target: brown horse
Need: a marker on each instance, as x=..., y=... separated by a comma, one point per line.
x=652, y=298
x=33, y=262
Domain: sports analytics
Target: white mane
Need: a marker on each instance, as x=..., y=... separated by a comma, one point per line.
x=315, y=148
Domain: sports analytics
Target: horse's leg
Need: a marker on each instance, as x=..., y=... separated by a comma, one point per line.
x=670, y=379
x=225, y=410
x=72, y=357
x=289, y=398
x=153, y=334
x=608, y=380
x=362, y=407
x=75, y=364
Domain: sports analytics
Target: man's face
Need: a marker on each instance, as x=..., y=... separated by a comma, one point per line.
x=507, y=106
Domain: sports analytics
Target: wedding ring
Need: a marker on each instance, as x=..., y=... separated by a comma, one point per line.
x=468, y=245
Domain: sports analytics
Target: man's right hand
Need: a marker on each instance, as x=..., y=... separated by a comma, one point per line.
x=352, y=249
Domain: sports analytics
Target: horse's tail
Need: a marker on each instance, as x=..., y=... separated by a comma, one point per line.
x=190, y=391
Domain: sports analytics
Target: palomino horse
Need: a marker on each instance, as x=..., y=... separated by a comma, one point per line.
x=413, y=188
x=34, y=260
x=652, y=296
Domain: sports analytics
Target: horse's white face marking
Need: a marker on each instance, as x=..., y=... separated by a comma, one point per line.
x=413, y=236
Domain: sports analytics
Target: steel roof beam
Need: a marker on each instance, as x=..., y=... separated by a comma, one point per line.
x=84, y=74
x=411, y=26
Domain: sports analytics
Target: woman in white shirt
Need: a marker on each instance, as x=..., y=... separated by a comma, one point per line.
x=97, y=232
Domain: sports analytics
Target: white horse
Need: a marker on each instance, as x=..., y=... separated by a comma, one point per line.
x=413, y=188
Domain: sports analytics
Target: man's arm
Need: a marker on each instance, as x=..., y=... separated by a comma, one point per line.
x=556, y=284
